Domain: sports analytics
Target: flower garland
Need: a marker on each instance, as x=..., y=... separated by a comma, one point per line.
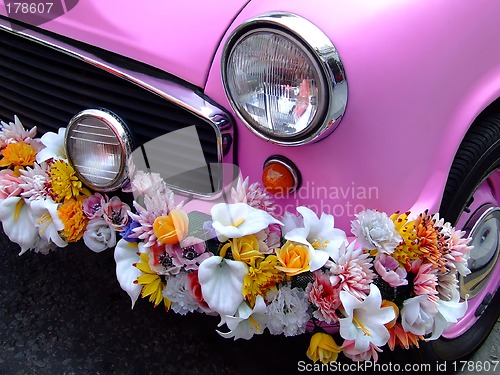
x=43, y=204
x=393, y=283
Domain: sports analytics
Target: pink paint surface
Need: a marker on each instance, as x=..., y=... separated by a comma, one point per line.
x=417, y=77
x=179, y=37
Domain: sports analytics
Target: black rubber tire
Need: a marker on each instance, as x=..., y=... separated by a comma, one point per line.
x=477, y=157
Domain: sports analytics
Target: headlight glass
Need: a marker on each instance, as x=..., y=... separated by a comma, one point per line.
x=284, y=79
x=98, y=145
x=276, y=84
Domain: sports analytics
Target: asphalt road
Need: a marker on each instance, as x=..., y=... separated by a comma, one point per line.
x=65, y=313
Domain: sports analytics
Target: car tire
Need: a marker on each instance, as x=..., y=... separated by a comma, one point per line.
x=476, y=164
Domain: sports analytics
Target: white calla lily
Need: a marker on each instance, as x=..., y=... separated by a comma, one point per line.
x=238, y=220
x=221, y=283
x=54, y=146
x=319, y=234
x=364, y=321
x=18, y=223
x=47, y=220
x=126, y=273
x=449, y=312
x=246, y=322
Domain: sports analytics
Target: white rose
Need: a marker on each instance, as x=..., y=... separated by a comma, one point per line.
x=99, y=235
x=417, y=315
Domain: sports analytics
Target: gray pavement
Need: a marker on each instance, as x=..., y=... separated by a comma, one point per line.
x=487, y=357
x=65, y=313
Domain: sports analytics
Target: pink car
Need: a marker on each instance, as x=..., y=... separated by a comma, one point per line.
x=340, y=106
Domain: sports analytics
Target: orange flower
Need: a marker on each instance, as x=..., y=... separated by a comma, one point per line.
x=323, y=347
x=401, y=338
x=430, y=241
x=421, y=240
x=171, y=229
x=74, y=219
x=294, y=258
x=18, y=154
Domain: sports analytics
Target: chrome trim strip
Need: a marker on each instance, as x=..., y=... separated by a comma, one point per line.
x=326, y=55
x=217, y=117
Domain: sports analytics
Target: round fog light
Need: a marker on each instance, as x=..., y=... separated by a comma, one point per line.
x=98, y=144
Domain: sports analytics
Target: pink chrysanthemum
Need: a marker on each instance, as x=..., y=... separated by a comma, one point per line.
x=325, y=297
x=15, y=132
x=425, y=281
x=146, y=216
x=351, y=270
x=254, y=195
x=447, y=285
x=459, y=249
x=35, y=182
x=9, y=184
x=144, y=183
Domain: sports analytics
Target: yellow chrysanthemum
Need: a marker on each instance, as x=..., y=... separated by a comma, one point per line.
x=152, y=283
x=404, y=253
x=421, y=240
x=65, y=184
x=18, y=154
x=74, y=219
x=261, y=279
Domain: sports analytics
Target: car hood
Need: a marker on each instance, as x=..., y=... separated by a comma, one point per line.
x=180, y=39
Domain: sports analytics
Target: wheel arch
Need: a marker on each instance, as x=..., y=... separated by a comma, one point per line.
x=490, y=109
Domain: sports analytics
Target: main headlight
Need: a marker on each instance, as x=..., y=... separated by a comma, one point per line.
x=284, y=79
x=98, y=145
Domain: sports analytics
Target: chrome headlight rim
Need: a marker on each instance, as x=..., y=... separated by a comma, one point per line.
x=308, y=37
x=123, y=136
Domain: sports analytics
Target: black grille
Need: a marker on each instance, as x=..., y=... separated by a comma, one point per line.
x=46, y=87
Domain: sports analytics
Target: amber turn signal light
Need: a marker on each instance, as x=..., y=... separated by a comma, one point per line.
x=280, y=176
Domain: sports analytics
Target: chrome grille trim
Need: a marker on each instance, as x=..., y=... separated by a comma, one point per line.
x=184, y=97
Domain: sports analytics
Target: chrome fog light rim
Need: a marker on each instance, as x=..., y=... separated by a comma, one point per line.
x=121, y=135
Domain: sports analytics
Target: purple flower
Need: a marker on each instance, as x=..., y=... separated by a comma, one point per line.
x=115, y=213
x=128, y=231
x=92, y=206
x=189, y=253
x=209, y=230
x=389, y=270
